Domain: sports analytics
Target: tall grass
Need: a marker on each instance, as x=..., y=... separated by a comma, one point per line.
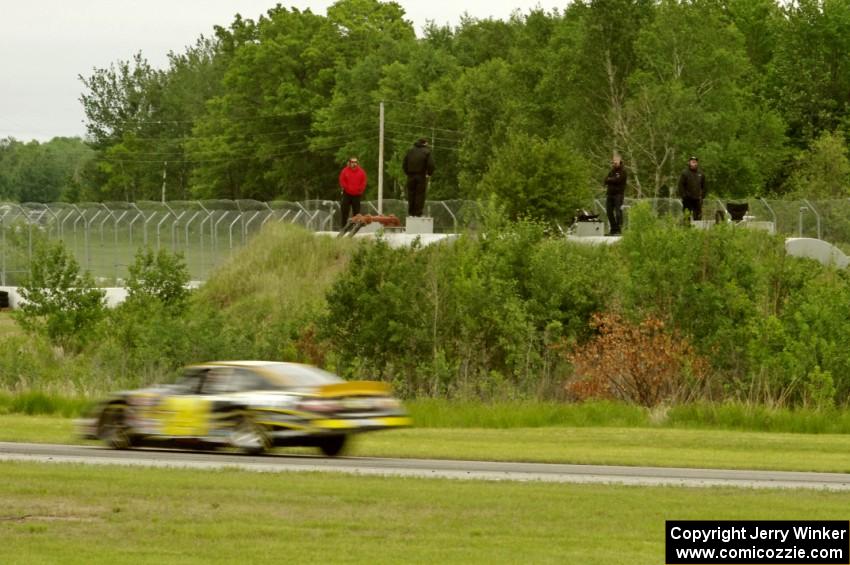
x=430, y=413
x=40, y=403
x=755, y=417
x=433, y=413
x=8, y=326
x=285, y=267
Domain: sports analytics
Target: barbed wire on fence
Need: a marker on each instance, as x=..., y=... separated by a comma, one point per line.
x=104, y=236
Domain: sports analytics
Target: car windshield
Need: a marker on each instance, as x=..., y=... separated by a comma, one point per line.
x=286, y=374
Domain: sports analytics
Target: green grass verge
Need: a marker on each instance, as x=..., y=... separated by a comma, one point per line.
x=75, y=514
x=604, y=446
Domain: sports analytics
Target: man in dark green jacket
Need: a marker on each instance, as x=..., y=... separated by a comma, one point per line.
x=615, y=184
x=418, y=165
x=692, y=188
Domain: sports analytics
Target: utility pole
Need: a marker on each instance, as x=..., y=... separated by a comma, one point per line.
x=381, y=160
x=164, y=170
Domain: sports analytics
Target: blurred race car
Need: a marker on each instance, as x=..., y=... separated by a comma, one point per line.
x=249, y=405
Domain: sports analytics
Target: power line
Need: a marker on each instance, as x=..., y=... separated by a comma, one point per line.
x=231, y=159
x=250, y=118
x=165, y=154
x=400, y=142
x=416, y=104
x=340, y=127
x=401, y=132
x=422, y=126
x=315, y=142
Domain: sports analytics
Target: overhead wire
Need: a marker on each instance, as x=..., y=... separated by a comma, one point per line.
x=402, y=132
x=341, y=126
x=191, y=161
x=294, y=143
x=423, y=126
x=399, y=141
x=317, y=142
x=253, y=118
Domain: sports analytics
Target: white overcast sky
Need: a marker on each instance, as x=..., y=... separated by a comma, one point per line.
x=46, y=44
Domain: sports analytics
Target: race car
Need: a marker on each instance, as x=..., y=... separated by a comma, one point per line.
x=249, y=405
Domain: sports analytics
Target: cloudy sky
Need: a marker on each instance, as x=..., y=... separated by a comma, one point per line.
x=46, y=44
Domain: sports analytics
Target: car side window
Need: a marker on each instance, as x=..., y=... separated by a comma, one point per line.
x=219, y=380
x=246, y=380
x=189, y=383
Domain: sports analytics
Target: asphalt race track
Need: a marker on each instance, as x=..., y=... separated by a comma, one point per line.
x=426, y=468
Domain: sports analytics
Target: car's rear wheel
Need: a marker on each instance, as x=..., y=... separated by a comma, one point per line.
x=333, y=445
x=112, y=428
x=249, y=436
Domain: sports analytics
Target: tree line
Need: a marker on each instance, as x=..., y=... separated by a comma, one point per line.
x=528, y=110
x=43, y=172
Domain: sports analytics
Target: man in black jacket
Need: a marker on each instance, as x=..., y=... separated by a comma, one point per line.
x=418, y=166
x=615, y=184
x=692, y=188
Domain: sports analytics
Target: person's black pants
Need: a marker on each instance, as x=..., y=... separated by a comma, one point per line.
x=349, y=204
x=614, y=210
x=416, y=187
x=694, y=205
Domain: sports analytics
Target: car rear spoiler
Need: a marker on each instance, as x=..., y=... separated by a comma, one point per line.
x=355, y=388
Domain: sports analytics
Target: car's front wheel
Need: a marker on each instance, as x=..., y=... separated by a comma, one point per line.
x=250, y=437
x=333, y=445
x=112, y=428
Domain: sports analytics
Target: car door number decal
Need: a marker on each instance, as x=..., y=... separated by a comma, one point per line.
x=185, y=416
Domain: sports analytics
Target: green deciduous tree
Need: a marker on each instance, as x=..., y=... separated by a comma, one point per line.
x=691, y=94
x=809, y=75
x=823, y=170
x=43, y=172
x=60, y=302
x=254, y=141
x=537, y=177
x=160, y=276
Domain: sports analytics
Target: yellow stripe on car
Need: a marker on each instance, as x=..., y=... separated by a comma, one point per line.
x=392, y=421
x=388, y=421
x=355, y=388
x=334, y=424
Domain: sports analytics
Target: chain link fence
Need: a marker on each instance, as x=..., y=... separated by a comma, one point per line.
x=822, y=219
x=104, y=236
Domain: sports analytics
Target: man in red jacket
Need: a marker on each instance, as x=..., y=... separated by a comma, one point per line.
x=352, y=180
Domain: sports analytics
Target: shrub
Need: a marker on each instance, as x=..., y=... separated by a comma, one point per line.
x=160, y=276
x=441, y=320
x=801, y=355
x=641, y=363
x=59, y=302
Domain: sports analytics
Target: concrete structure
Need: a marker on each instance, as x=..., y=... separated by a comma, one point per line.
x=419, y=225
x=588, y=229
x=816, y=249
x=396, y=239
x=114, y=295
